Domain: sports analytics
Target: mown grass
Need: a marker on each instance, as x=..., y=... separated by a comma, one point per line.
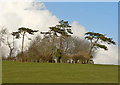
x=17, y=72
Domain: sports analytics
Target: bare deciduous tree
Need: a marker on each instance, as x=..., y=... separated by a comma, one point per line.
x=3, y=33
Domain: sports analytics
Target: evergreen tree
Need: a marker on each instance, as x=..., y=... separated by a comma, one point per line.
x=22, y=32
x=96, y=39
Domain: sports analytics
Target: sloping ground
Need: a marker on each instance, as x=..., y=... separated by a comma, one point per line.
x=16, y=72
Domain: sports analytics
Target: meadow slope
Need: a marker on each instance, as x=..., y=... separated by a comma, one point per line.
x=17, y=72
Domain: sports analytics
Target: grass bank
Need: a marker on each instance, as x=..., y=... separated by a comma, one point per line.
x=17, y=72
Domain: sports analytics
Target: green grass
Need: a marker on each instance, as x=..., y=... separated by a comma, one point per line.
x=17, y=72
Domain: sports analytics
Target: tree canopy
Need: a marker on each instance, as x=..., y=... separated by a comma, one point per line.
x=96, y=39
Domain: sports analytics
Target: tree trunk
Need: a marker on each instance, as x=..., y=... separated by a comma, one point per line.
x=67, y=45
x=11, y=48
x=60, y=42
x=10, y=54
x=53, y=48
x=90, y=51
x=22, y=44
x=61, y=50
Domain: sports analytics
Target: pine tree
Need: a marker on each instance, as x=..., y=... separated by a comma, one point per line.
x=96, y=39
x=22, y=32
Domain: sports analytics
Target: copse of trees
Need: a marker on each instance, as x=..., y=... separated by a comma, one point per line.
x=40, y=50
x=63, y=29
x=57, y=45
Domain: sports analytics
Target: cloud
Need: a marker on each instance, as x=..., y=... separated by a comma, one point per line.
x=107, y=57
x=28, y=14
x=16, y=14
x=78, y=30
x=35, y=15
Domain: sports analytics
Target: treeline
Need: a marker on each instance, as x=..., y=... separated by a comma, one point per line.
x=57, y=45
x=42, y=50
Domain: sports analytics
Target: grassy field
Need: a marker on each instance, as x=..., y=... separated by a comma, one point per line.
x=16, y=72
